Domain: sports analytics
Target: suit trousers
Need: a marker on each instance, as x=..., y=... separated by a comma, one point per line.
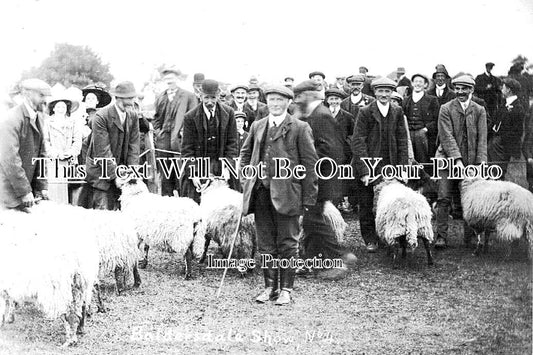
x=419, y=140
x=367, y=218
x=277, y=234
x=319, y=236
x=106, y=200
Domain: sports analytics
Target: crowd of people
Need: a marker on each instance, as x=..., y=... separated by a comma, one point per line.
x=485, y=119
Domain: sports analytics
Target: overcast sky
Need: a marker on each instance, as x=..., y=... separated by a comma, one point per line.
x=232, y=40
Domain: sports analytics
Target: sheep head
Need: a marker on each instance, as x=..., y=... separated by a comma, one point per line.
x=133, y=187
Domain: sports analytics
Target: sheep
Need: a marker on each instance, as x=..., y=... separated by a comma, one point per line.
x=221, y=208
x=403, y=216
x=502, y=206
x=63, y=268
x=166, y=222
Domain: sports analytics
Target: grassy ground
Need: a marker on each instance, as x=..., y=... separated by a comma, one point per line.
x=462, y=305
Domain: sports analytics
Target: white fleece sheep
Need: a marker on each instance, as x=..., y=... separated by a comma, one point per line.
x=49, y=263
x=221, y=208
x=403, y=216
x=502, y=206
x=163, y=221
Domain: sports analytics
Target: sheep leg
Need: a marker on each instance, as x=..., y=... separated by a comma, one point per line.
x=188, y=263
x=82, y=320
x=206, y=246
x=403, y=243
x=70, y=322
x=395, y=255
x=119, y=279
x=428, y=251
x=144, y=262
x=486, y=245
x=479, y=245
x=99, y=302
x=136, y=277
x=9, y=310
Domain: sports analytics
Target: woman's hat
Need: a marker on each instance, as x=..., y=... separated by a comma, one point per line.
x=101, y=93
x=72, y=105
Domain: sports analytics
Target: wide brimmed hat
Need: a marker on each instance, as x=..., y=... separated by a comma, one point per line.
x=210, y=87
x=101, y=93
x=280, y=90
x=335, y=92
x=124, y=89
x=440, y=68
x=71, y=104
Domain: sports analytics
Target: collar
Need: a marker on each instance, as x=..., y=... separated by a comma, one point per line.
x=417, y=96
x=384, y=109
x=335, y=110
x=31, y=111
x=487, y=74
x=121, y=114
x=441, y=87
x=509, y=100
x=240, y=108
x=356, y=98
x=465, y=105
x=276, y=120
x=172, y=91
x=207, y=112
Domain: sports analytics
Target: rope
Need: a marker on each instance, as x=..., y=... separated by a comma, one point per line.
x=159, y=150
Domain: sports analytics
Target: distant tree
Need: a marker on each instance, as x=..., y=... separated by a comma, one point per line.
x=71, y=65
x=520, y=59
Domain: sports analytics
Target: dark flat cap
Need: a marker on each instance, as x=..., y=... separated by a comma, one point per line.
x=239, y=114
x=420, y=75
x=307, y=85
x=239, y=86
x=355, y=78
x=288, y=78
x=124, y=89
x=311, y=74
x=210, y=87
x=464, y=80
x=280, y=90
x=383, y=83
x=335, y=92
x=254, y=87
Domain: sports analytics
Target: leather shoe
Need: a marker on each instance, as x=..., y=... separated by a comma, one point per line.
x=269, y=294
x=440, y=243
x=284, y=298
x=372, y=247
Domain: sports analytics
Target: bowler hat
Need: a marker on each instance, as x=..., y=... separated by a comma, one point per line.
x=36, y=85
x=383, y=83
x=355, y=78
x=198, y=78
x=307, y=85
x=513, y=84
x=124, y=89
x=422, y=76
x=171, y=69
x=440, y=68
x=400, y=70
x=464, y=79
x=239, y=86
x=280, y=90
x=101, y=93
x=335, y=92
x=317, y=73
x=210, y=87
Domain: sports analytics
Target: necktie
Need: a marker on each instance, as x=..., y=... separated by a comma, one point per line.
x=211, y=114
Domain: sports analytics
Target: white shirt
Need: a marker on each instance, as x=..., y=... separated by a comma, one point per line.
x=31, y=111
x=253, y=104
x=334, y=110
x=440, y=90
x=384, y=109
x=209, y=113
x=356, y=98
x=509, y=100
x=121, y=114
x=465, y=104
x=417, y=96
x=276, y=121
x=171, y=94
x=240, y=108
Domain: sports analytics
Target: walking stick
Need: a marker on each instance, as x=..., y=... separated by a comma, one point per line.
x=229, y=256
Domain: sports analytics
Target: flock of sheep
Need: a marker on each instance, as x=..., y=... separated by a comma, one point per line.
x=47, y=261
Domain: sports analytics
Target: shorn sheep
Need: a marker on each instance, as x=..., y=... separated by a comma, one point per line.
x=221, y=208
x=497, y=205
x=403, y=216
x=50, y=264
x=164, y=222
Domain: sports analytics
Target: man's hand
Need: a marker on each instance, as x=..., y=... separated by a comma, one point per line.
x=28, y=200
x=196, y=182
x=365, y=180
x=225, y=173
x=459, y=163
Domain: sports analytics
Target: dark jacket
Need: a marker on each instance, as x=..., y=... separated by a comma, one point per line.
x=109, y=139
x=447, y=95
x=20, y=142
x=294, y=141
x=367, y=137
x=527, y=146
x=488, y=88
x=508, y=125
x=429, y=114
x=262, y=111
x=451, y=132
x=168, y=118
x=352, y=108
x=329, y=143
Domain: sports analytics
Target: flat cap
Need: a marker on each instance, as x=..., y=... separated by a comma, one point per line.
x=254, y=87
x=335, y=92
x=363, y=69
x=239, y=114
x=313, y=73
x=239, y=86
x=280, y=90
x=288, y=78
x=383, y=83
x=356, y=78
x=420, y=75
x=397, y=96
x=307, y=85
x=36, y=85
x=464, y=80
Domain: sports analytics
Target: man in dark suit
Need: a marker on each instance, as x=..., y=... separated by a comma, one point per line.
x=507, y=126
x=253, y=104
x=21, y=140
x=170, y=109
x=422, y=111
x=527, y=148
x=379, y=133
x=441, y=89
x=462, y=126
x=115, y=134
x=367, y=88
x=488, y=88
x=278, y=203
x=209, y=131
x=330, y=142
x=404, y=84
x=357, y=98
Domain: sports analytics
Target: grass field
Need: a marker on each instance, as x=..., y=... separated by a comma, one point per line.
x=462, y=305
